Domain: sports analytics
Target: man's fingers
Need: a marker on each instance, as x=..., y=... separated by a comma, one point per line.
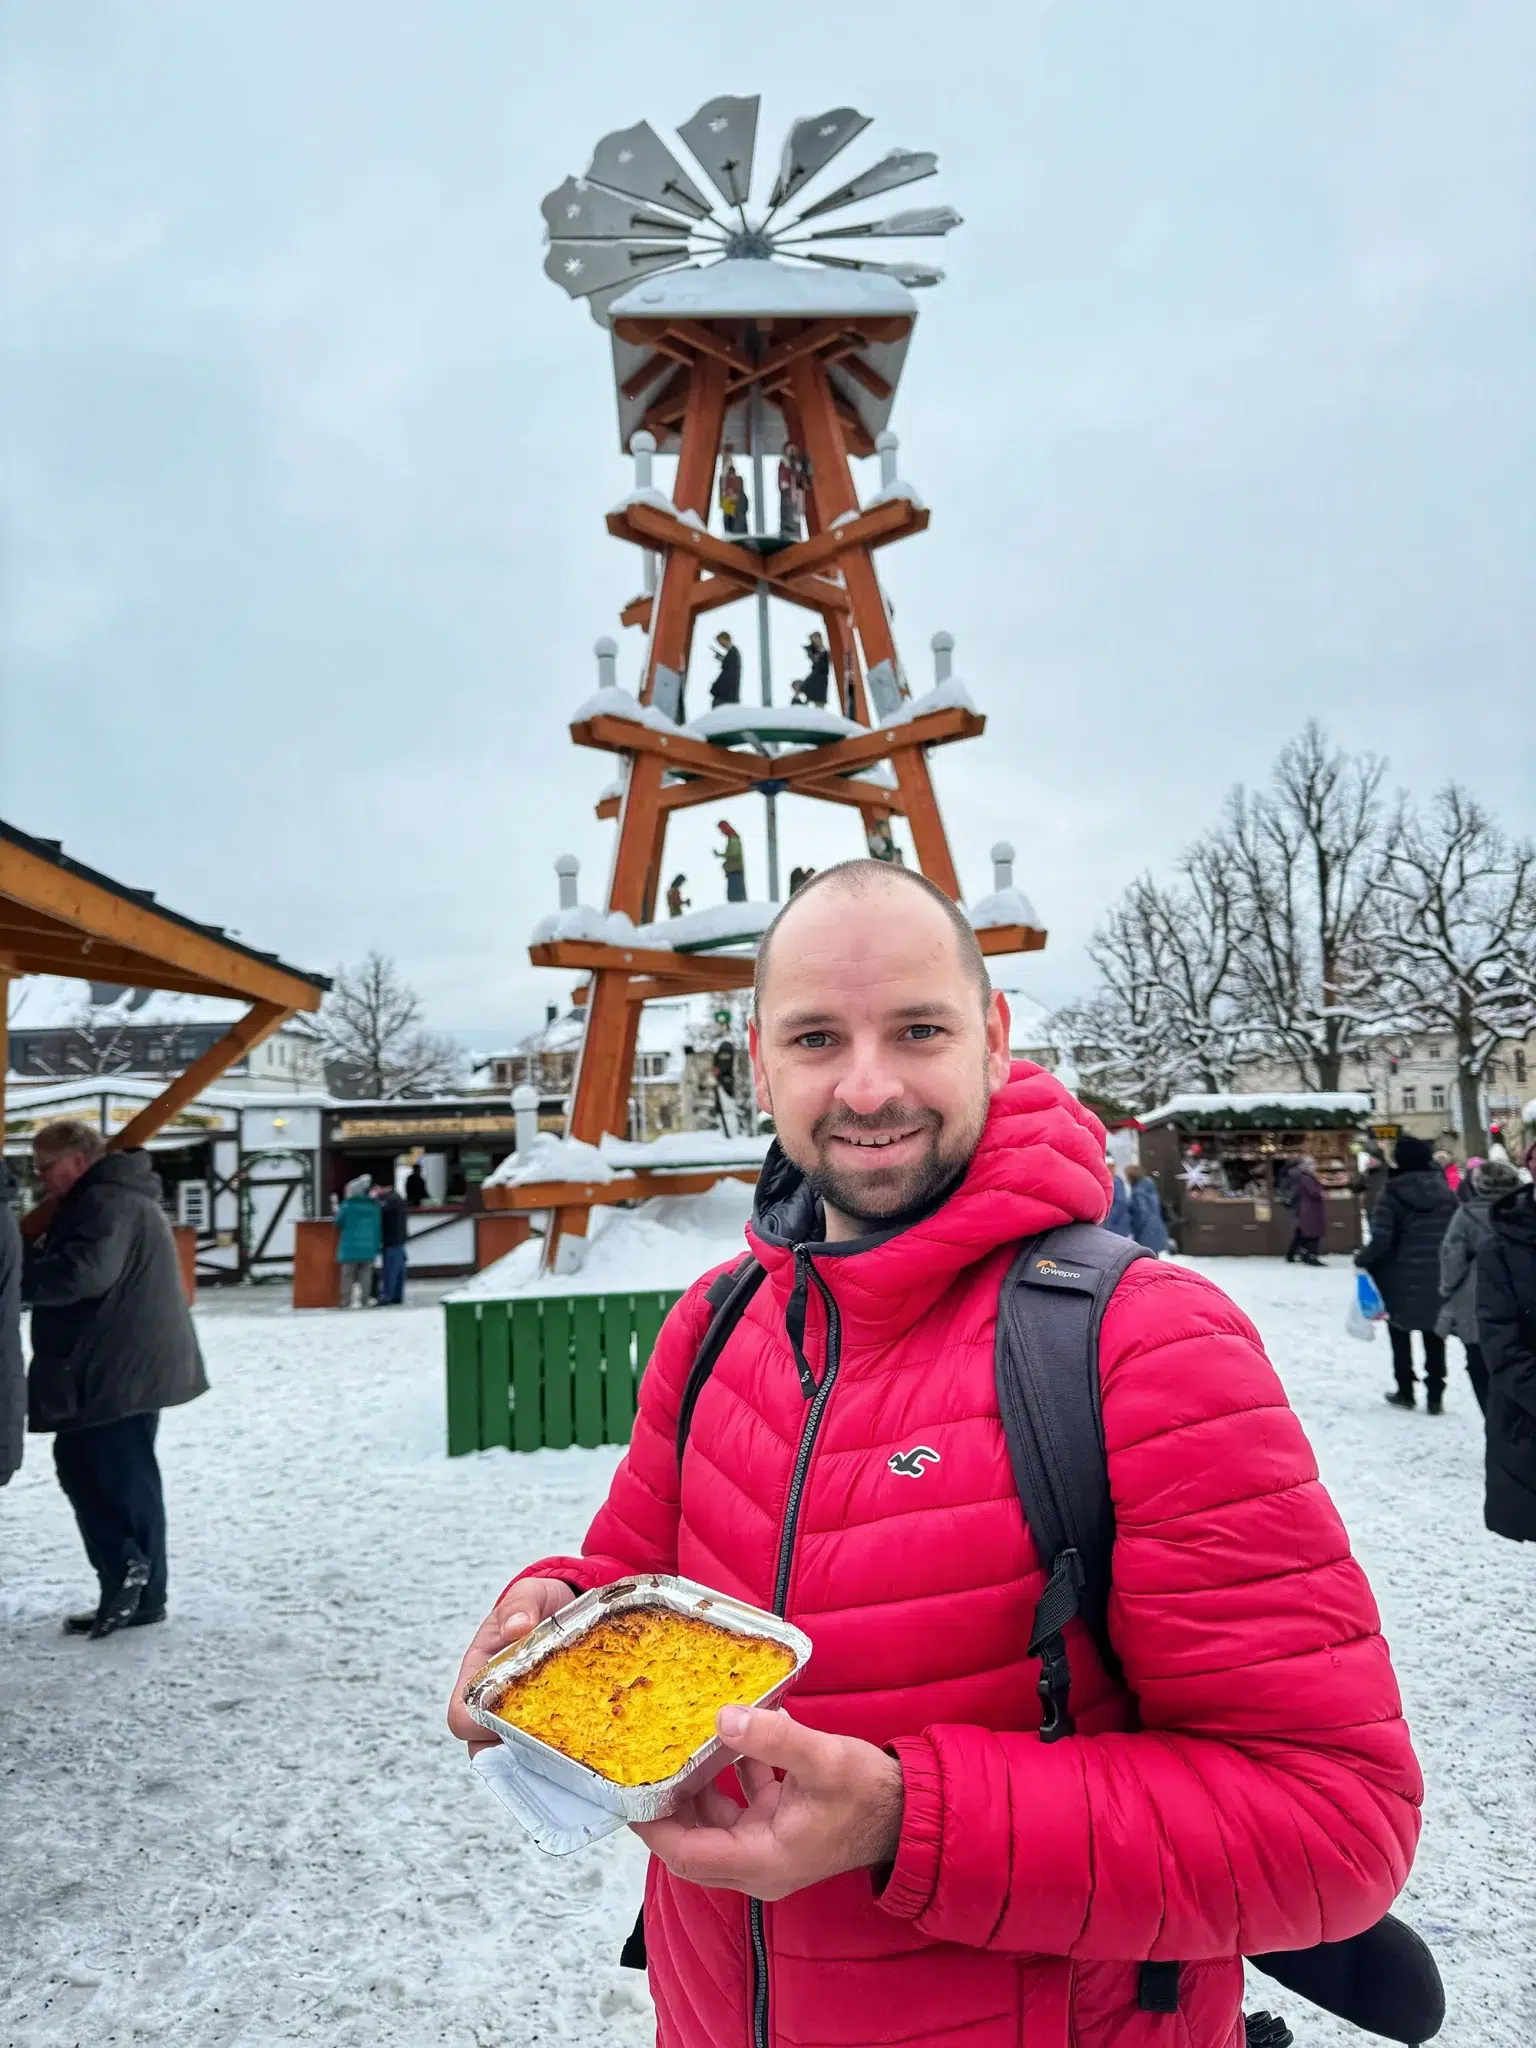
x=754, y=1777
x=769, y=1736
x=710, y=1856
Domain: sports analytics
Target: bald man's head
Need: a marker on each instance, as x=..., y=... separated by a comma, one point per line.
x=870, y=879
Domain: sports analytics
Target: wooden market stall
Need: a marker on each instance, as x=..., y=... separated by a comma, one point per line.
x=58, y=917
x=1220, y=1163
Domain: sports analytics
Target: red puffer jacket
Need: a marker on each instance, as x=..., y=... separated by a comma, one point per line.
x=1254, y=1789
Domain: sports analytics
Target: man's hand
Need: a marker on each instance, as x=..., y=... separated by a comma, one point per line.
x=837, y=1807
x=521, y=1608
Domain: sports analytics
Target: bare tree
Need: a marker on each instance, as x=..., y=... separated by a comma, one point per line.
x=1165, y=1016
x=374, y=1038
x=1305, y=857
x=1460, y=937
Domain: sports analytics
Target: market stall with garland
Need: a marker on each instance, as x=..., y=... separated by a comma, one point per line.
x=1221, y=1162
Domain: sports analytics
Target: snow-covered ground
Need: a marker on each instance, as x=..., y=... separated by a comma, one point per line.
x=249, y=1825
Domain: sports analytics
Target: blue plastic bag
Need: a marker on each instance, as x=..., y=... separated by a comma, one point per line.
x=1366, y=1309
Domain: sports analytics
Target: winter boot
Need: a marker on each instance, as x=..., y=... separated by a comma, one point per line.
x=1400, y=1397
x=85, y=1624
x=119, y=1608
x=1434, y=1401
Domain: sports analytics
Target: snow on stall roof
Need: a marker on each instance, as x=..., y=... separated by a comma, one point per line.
x=747, y=286
x=1195, y=1105
x=665, y=1243
x=1003, y=906
x=772, y=721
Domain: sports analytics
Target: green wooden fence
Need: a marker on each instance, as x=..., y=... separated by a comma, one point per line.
x=550, y=1370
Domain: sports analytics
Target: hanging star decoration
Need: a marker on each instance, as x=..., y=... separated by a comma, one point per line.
x=1195, y=1175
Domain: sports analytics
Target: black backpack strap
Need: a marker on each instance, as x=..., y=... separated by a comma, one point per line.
x=728, y=1295
x=1049, y=1311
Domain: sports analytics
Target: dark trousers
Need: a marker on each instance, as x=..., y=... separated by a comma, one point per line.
x=392, y=1279
x=1402, y=1359
x=1477, y=1373
x=111, y=1480
x=735, y=887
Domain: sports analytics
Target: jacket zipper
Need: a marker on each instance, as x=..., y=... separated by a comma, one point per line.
x=786, y=1565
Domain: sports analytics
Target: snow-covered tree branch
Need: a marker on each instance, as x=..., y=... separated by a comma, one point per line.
x=1459, y=935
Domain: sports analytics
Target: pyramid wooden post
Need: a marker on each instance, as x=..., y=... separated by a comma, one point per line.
x=810, y=373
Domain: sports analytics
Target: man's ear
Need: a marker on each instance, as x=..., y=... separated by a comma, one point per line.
x=759, y=1071
x=999, y=1040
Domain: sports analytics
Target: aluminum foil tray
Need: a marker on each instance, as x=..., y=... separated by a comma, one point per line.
x=538, y=1760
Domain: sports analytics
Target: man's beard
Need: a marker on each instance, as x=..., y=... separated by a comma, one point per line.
x=883, y=1197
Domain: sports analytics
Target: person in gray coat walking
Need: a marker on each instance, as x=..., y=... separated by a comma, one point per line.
x=112, y=1344
x=1491, y=1180
x=13, y=1371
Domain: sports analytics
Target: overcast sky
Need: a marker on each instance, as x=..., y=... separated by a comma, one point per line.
x=1224, y=415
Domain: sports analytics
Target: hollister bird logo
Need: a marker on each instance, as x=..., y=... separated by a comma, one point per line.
x=909, y=1464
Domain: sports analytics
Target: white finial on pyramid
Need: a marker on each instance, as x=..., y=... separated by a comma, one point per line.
x=607, y=652
x=886, y=445
x=567, y=867
x=642, y=446
x=525, y=1108
x=1002, y=866
x=943, y=645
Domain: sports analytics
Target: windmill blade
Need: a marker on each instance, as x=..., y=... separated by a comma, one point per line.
x=637, y=162
x=576, y=212
x=811, y=145
x=581, y=268
x=914, y=275
x=918, y=220
x=723, y=136
x=896, y=167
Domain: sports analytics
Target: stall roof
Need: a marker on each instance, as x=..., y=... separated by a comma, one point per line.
x=58, y=916
x=1290, y=1108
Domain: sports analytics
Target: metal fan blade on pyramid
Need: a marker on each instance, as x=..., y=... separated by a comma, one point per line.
x=896, y=167
x=920, y=220
x=810, y=147
x=580, y=268
x=722, y=135
x=636, y=161
x=576, y=212
x=915, y=276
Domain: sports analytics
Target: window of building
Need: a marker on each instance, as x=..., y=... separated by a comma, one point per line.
x=1410, y=1101
x=1519, y=1063
x=1437, y=1098
x=1431, y=1052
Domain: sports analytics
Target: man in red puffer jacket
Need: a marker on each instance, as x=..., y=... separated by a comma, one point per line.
x=911, y=1863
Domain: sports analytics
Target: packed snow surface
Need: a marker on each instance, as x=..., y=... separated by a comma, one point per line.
x=661, y=1244
x=248, y=1826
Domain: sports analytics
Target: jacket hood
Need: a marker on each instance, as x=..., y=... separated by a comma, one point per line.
x=1515, y=1217
x=1425, y=1189
x=1040, y=1163
x=1496, y=1178
x=130, y=1170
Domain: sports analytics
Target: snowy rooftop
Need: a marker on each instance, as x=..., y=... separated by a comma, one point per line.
x=1247, y=1105
x=747, y=288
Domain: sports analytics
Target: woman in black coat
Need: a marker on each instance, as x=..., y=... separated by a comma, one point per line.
x=1403, y=1258
x=1506, y=1322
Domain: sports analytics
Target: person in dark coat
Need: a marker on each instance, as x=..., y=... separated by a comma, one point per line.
x=813, y=687
x=1506, y=1327
x=726, y=688
x=392, y=1246
x=1403, y=1258
x=416, y=1191
x=1488, y=1182
x=1304, y=1198
x=1147, y=1225
x=112, y=1344
x=13, y=1371
x=1119, y=1218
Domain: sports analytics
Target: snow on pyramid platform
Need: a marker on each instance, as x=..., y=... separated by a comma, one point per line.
x=731, y=722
